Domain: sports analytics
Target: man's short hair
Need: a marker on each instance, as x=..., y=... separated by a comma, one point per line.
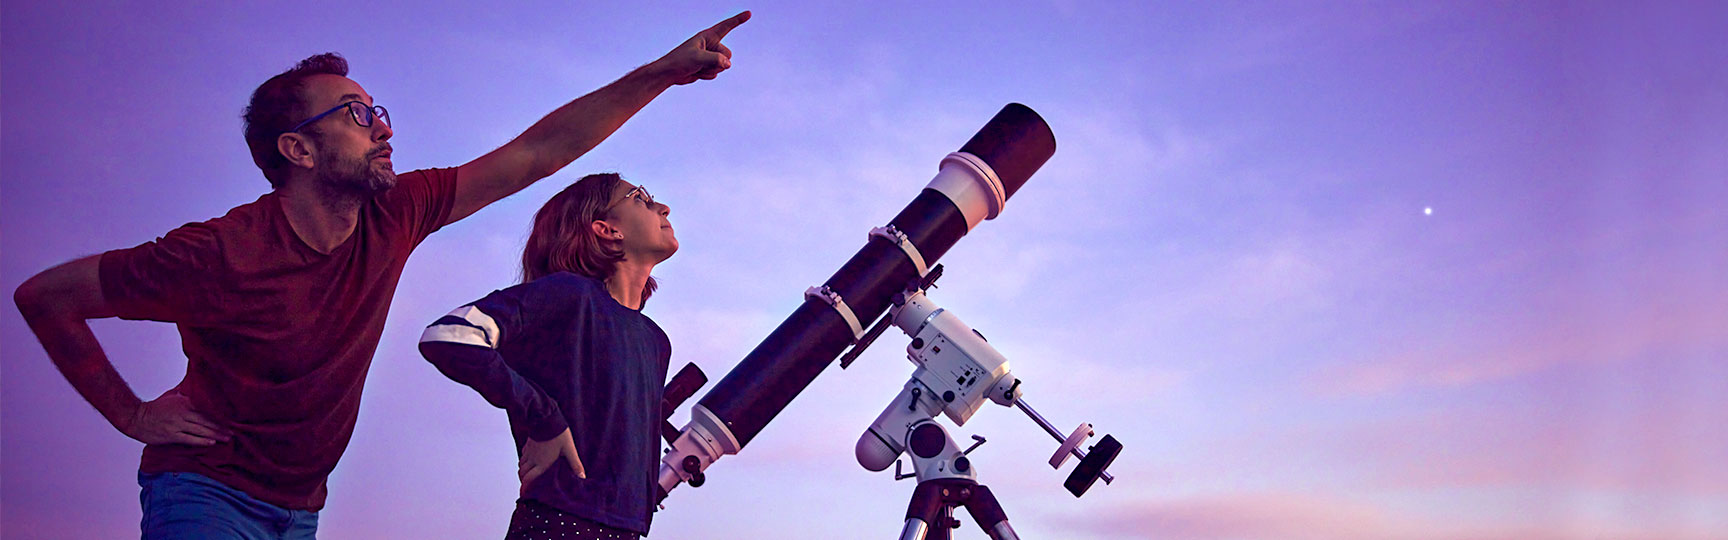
x=276, y=105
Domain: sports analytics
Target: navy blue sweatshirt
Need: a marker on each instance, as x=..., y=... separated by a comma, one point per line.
x=560, y=352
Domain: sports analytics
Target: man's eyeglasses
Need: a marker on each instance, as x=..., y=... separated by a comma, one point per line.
x=362, y=114
x=639, y=193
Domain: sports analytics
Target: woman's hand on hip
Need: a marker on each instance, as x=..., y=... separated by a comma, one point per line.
x=539, y=456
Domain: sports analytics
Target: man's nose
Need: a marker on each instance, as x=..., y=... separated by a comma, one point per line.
x=381, y=131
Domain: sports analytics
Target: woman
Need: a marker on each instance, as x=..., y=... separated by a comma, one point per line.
x=570, y=356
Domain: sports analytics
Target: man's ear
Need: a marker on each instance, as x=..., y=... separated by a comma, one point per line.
x=297, y=149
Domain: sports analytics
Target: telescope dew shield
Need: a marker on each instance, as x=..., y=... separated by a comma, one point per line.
x=973, y=185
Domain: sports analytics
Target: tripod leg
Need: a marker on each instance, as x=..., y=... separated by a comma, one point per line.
x=924, y=512
x=943, y=527
x=914, y=530
x=988, y=513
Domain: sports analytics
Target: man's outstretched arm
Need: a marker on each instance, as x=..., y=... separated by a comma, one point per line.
x=579, y=126
x=56, y=303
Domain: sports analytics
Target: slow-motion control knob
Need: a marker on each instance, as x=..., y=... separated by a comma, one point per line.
x=693, y=466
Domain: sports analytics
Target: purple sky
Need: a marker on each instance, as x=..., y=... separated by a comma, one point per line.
x=1229, y=264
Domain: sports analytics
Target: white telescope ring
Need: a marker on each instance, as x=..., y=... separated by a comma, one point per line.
x=892, y=234
x=833, y=299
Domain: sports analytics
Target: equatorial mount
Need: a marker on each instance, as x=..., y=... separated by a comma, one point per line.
x=957, y=371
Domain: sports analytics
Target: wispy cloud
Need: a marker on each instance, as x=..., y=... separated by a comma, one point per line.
x=1251, y=516
x=1653, y=307
x=1301, y=515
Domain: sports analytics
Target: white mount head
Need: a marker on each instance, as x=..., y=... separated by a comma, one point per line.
x=957, y=372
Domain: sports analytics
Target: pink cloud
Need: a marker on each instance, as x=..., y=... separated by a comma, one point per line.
x=1654, y=309
x=1289, y=515
x=1637, y=429
x=1259, y=515
x=1661, y=450
x=1629, y=450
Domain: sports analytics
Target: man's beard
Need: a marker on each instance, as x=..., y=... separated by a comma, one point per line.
x=358, y=177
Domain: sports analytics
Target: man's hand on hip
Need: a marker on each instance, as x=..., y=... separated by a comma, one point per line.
x=170, y=419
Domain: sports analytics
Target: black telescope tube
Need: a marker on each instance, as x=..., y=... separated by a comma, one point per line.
x=1014, y=144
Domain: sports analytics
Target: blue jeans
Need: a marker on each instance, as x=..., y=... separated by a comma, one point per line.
x=193, y=506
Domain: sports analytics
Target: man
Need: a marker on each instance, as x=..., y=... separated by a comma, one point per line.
x=280, y=303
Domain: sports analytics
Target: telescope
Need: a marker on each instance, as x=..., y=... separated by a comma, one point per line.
x=893, y=269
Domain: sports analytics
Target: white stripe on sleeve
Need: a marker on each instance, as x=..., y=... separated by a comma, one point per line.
x=484, y=331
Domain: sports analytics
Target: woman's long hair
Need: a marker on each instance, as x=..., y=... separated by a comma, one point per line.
x=562, y=241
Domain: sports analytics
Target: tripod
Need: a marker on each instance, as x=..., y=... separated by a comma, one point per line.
x=931, y=514
x=946, y=481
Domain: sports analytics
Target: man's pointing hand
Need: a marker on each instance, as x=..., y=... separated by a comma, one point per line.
x=702, y=56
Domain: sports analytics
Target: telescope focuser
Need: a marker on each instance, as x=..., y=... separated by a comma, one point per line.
x=680, y=388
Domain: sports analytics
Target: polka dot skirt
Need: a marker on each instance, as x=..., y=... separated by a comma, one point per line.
x=534, y=520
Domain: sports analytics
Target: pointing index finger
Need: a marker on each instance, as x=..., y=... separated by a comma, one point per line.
x=726, y=26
